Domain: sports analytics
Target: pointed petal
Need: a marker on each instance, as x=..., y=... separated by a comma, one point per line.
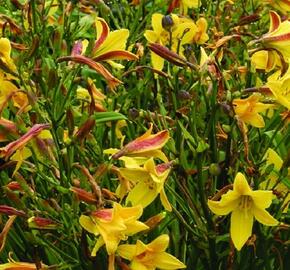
x=136, y=265
x=241, y=227
x=164, y=200
x=264, y=217
x=127, y=251
x=262, y=199
x=103, y=31
x=156, y=23
x=116, y=55
x=241, y=185
x=275, y=21
x=134, y=174
x=159, y=244
x=157, y=61
x=164, y=260
x=88, y=224
x=141, y=194
x=100, y=242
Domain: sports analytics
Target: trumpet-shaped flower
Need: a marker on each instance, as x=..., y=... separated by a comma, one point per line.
x=272, y=158
x=244, y=204
x=111, y=45
x=166, y=29
x=150, y=256
x=113, y=225
x=201, y=36
x=248, y=109
x=280, y=88
x=147, y=145
x=149, y=182
x=278, y=36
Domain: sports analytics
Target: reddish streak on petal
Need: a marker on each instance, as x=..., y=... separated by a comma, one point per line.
x=284, y=37
x=9, y=149
x=102, y=37
x=163, y=167
x=275, y=21
x=116, y=55
x=105, y=214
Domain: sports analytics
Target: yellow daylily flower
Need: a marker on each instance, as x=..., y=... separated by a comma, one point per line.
x=244, y=204
x=111, y=45
x=280, y=88
x=149, y=182
x=248, y=109
x=179, y=31
x=5, y=52
x=147, y=145
x=150, y=256
x=271, y=157
x=278, y=36
x=113, y=225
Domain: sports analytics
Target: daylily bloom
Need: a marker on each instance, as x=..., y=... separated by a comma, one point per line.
x=248, y=109
x=5, y=52
x=280, y=88
x=150, y=256
x=113, y=225
x=272, y=157
x=244, y=204
x=278, y=36
x=168, y=28
x=111, y=45
x=147, y=145
x=149, y=182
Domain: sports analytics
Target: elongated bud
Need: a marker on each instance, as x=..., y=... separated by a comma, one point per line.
x=84, y=195
x=8, y=210
x=42, y=223
x=154, y=221
x=85, y=129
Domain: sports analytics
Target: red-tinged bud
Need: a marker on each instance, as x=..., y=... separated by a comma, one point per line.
x=8, y=210
x=84, y=195
x=42, y=223
x=154, y=221
x=109, y=195
x=244, y=20
x=99, y=68
x=14, y=186
x=165, y=53
x=85, y=129
x=9, y=149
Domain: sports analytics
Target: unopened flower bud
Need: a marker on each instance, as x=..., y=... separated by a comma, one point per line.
x=214, y=169
x=167, y=22
x=8, y=210
x=41, y=223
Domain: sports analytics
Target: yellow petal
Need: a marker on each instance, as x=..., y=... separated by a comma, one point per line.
x=262, y=199
x=136, y=265
x=164, y=200
x=88, y=224
x=157, y=61
x=127, y=251
x=156, y=22
x=241, y=185
x=264, y=217
x=151, y=36
x=100, y=242
x=159, y=244
x=227, y=204
x=241, y=227
x=142, y=194
x=134, y=174
x=164, y=260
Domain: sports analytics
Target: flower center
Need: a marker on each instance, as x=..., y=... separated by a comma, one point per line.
x=245, y=202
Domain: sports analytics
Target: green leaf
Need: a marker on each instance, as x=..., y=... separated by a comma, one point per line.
x=102, y=117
